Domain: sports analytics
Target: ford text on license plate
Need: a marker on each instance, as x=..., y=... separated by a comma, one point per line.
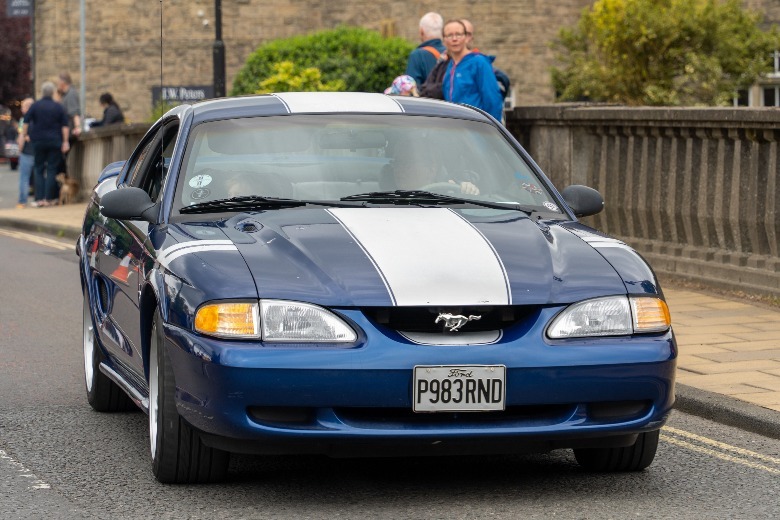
x=469, y=388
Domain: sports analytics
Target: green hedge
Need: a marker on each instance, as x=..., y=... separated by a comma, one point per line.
x=364, y=60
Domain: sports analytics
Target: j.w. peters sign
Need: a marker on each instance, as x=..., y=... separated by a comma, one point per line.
x=180, y=94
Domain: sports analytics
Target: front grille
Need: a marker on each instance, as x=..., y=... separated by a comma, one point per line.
x=423, y=319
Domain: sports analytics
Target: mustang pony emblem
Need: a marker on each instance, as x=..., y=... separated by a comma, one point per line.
x=453, y=322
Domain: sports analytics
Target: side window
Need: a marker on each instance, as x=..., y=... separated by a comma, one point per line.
x=152, y=167
x=138, y=163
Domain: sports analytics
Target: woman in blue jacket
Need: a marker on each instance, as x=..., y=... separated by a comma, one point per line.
x=469, y=77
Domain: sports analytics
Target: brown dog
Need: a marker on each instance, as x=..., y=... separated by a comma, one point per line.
x=69, y=188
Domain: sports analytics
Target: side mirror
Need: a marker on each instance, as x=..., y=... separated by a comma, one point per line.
x=128, y=203
x=582, y=200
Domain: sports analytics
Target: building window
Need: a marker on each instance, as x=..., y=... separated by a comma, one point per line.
x=742, y=98
x=771, y=96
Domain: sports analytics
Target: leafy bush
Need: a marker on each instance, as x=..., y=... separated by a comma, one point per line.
x=662, y=52
x=288, y=77
x=362, y=59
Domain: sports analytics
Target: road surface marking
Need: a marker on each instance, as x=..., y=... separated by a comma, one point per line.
x=43, y=241
x=721, y=445
x=719, y=455
x=721, y=450
x=35, y=482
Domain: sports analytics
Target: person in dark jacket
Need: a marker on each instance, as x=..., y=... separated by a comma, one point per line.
x=112, y=114
x=422, y=59
x=46, y=122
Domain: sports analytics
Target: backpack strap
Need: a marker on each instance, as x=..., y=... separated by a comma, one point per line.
x=432, y=50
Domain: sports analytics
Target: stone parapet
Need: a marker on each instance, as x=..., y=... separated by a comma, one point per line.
x=97, y=148
x=694, y=189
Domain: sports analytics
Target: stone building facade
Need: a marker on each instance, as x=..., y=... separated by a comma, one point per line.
x=126, y=55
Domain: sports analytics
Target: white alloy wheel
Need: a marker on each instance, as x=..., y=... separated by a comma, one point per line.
x=103, y=394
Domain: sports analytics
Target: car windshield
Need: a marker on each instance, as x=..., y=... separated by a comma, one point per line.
x=335, y=156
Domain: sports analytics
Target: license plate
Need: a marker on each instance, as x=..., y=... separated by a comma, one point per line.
x=468, y=388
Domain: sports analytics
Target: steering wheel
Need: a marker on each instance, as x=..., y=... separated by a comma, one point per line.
x=446, y=188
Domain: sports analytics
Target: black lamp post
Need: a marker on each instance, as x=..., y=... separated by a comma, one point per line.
x=218, y=52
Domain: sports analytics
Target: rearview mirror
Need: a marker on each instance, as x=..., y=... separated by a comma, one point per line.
x=128, y=203
x=582, y=200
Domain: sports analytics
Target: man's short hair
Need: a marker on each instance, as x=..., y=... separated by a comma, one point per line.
x=431, y=25
x=65, y=78
x=47, y=89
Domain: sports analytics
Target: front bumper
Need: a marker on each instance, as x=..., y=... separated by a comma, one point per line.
x=247, y=397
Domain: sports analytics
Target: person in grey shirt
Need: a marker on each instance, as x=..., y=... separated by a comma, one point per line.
x=71, y=102
x=69, y=98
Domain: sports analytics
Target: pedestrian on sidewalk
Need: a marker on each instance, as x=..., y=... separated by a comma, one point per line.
x=46, y=124
x=26, y=157
x=112, y=114
x=69, y=97
x=469, y=77
x=422, y=59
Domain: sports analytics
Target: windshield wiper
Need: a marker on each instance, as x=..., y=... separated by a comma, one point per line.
x=257, y=202
x=428, y=197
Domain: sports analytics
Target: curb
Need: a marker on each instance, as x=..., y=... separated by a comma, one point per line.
x=728, y=410
x=57, y=230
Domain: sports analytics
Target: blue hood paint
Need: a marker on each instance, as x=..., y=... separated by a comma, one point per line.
x=306, y=255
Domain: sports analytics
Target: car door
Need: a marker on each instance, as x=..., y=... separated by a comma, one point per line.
x=124, y=244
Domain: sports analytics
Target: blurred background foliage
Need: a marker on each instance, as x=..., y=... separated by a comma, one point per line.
x=662, y=52
x=362, y=59
x=288, y=77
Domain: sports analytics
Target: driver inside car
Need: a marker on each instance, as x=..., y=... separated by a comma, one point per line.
x=408, y=173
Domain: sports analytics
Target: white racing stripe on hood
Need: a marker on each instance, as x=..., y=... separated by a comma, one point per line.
x=428, y=256
x=168, y=255
x=304, y=102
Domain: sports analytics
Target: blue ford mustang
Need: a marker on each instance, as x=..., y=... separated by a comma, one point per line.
x=360, y=274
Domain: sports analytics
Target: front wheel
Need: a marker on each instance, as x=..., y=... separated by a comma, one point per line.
x=630, y=458
x=103, y=394
x=178, y=454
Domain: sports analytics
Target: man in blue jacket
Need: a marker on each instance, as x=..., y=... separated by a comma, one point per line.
x=424, y=57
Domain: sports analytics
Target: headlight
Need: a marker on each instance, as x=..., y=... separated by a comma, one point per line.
x=273, y=321
x=611, y=316
x=294, y=321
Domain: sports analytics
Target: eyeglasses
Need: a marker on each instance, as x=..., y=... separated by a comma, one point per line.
x=453, y=36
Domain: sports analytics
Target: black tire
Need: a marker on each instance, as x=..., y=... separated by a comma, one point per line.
x=631, y=458
x=102, y=393
x=178, y=454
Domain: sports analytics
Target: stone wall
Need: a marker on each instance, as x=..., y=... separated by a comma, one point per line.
x=696, y=191
x=123, y=38
x=123, y=50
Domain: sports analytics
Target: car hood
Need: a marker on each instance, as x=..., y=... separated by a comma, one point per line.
x=408, y=256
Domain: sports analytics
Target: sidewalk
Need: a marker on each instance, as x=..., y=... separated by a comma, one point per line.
x=726, y=347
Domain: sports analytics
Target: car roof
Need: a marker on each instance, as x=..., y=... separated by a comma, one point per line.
x=328, y=103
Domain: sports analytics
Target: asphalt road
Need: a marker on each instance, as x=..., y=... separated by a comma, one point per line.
x=59, y=459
